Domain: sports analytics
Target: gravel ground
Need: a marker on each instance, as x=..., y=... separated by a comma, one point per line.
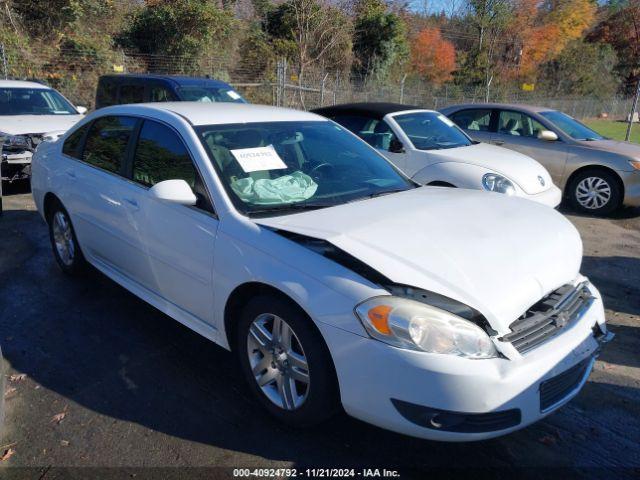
x=98, y=379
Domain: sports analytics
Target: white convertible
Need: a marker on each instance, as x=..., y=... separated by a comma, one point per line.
x=432, y=150
x=442, y=313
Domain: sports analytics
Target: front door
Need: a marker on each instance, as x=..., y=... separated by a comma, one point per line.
x=518, y=131
x=176, y=241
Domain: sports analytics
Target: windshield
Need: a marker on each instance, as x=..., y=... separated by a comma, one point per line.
x=210, y=94
x=278, y=167
x=571, y=126
x=431, y=131
x=34, y=101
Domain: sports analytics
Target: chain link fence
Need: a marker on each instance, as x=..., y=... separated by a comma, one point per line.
x=75, y=73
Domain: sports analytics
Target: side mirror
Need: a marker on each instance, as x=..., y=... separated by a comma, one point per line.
x=548, y=136
x=173, y=191
x=395, y=146
x=81, y=110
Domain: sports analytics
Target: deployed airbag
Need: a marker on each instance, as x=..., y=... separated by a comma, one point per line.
x=286, y=189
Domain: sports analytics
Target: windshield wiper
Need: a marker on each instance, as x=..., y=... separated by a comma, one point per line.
x=380, y=194
x=293, y=207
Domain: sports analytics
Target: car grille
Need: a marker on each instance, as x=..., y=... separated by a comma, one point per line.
x=548, y=317
x=556, y=389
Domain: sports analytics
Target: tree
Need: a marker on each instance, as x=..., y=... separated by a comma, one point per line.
x=311, y=33
x=379, y=39
x=180, y=28
x=621, y=29
x=581, y=68
x=432, y=57
x=44, y=19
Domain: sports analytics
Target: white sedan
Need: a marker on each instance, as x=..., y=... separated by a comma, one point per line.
x=440, y=313
x=432, y=150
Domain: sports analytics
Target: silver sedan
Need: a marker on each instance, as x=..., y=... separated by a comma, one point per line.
x=596, y=174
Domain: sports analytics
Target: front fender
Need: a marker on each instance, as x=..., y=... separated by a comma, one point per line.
x=461, y=175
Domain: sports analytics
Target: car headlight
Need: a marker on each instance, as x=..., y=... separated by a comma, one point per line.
x=413, y=325
x=17, y=141
x=497, y=183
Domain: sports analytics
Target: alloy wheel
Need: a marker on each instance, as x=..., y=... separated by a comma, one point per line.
x=593, y=193
x=278, y=362
x=63, y=238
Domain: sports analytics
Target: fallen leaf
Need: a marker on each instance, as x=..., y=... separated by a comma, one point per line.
x=57, y=418
x=9, y=391
x=64, y=443
x=8, y=453
x=17, y=377
x=548, y=440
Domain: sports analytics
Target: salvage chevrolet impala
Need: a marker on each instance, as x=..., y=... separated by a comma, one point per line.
x=435, y=312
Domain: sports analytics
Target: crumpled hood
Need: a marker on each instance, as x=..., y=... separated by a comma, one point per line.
x=41, y=124
x=623, y=148
x=497, y=254
x=517, y=167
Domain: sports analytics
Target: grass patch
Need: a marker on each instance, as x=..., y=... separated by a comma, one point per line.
x=615, y=130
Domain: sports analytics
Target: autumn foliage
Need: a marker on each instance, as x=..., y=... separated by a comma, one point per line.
x=432, y=57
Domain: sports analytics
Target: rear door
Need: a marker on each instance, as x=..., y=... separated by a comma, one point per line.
x=476, y=122
x=94, y=193
x=175, y=242
x=519, y=131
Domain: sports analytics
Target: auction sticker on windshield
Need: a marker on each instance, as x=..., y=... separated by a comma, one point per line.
x=258, y=159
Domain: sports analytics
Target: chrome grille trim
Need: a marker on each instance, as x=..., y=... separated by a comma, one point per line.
x=549, y=316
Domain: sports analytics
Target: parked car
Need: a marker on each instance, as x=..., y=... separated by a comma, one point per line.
x=596, y=174
x=30, y=113
x=432, y=150
x=442, y=313
x=144, y=88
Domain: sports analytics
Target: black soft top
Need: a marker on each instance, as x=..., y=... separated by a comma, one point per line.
x=372, y=110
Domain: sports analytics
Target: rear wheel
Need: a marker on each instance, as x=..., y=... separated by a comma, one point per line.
x=64, y=242
x=597, y=192
x=286, y=362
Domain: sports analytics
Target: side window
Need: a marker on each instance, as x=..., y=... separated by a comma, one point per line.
x=107, y=141
x=106, y=95
x=378, y=134
x=131, y=94
x=161, y=94
x=72, y=143
x=161, y=155
x=476, y=119
x=351, y=122
x=518, y=124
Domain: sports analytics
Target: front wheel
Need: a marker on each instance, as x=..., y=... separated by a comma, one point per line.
x=595, y=192
x=286, y=362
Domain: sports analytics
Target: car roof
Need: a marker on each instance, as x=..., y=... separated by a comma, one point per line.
x=372, y=109
x=178, y=79
x=506, y=106
x=216, y=113
x=22, y=84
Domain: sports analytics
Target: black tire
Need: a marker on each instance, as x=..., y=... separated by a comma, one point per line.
x=605, y=179
x=76, y=264
x=322, y=398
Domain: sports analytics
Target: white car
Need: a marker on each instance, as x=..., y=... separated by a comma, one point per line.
x=432, y=150
x=30, y=113
x=441, y=313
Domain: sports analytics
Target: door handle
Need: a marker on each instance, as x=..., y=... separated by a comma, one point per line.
x=498, y=142
x=132, y=203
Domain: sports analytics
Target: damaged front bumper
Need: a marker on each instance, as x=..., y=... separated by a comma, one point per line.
x=15, y=166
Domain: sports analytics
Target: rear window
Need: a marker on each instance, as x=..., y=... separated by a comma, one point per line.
x=131, y=94
x=107, y=93
x=71, y=145
x=107, y=142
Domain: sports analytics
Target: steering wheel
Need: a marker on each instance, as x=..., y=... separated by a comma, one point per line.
x=321, y=166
